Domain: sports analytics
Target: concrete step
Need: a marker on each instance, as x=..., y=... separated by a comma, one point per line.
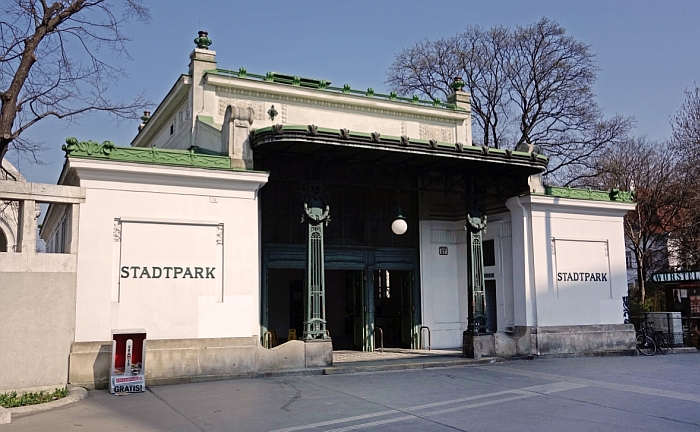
x=406, y=364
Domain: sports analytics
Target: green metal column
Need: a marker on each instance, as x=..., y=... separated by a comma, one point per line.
x=316, y=214
x=476, y=225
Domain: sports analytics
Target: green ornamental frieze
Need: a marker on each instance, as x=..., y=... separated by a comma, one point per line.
x=614, y=195
x=152, y=155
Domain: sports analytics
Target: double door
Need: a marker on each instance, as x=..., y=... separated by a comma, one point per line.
x=365, y=289
x=381, y=299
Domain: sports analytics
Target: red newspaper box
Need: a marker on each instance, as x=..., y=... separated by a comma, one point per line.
x=128, y=361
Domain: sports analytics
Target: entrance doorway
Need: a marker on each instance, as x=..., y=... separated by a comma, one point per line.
x=346, y=318
x=355, y=307
x=393, y=300
x=285, y=303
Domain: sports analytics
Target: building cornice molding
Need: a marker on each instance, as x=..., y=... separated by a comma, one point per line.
x=376, y=141
x=167, y=176
x=539, y=202
x=281, y=92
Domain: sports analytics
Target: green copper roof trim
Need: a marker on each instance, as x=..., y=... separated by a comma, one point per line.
x=390, y=139
x=614, y=195
x=325, y=85
x=209, y=121
x=151, y=155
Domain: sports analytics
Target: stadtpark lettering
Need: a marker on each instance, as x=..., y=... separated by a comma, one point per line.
x=582, y=277
x=136, y=272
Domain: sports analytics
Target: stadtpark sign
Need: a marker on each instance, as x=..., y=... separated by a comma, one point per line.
x=156, y=272
x=582, y=276
x=676, y=277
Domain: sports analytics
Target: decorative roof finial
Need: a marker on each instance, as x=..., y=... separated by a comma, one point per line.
x=203, y=40
x=457, y=84
x=144, y=118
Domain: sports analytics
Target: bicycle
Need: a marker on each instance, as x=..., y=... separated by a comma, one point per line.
x=645, y=342
x=659, y=338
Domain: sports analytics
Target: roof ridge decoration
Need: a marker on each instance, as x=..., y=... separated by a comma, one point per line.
x=313, y=83
x=401, y=141
x=613, y=195
x=145, y=155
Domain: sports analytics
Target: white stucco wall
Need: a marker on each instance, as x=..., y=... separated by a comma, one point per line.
x=146, y=215
x=540, y=237
x=443, y=281
x=553, y=236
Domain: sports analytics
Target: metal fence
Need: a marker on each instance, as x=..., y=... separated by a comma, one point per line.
x=679, y=331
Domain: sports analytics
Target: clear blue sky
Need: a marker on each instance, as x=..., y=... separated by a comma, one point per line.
x=647, y=50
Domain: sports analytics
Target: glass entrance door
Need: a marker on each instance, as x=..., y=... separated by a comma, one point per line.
x=358, y=309
x=394, y=307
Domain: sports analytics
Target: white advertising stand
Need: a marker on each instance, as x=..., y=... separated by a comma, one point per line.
x=127, y=374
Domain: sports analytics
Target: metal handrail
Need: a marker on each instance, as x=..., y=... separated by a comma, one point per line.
x=420, y=345
x=267, y=339
x=381, y=333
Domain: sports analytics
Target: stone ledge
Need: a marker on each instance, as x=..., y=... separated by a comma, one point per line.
x=5, y=415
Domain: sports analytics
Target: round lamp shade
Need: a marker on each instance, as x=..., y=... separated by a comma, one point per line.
x=399, y=226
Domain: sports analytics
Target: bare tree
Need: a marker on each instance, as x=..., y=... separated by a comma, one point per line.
x=685, y=140
x=428, y=67
x=531, y=87
x=478, y=56
x=484, y=63
x=686, y=126
x=49, y=63
x=663, y=200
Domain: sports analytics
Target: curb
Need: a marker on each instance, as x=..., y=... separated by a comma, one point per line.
x=75, y=394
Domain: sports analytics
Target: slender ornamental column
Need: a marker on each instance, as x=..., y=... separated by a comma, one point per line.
x=476, y=225
x=316, y=214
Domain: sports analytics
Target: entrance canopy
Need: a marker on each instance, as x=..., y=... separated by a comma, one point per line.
x=430, y=155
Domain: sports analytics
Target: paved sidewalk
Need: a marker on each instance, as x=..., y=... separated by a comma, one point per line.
x=632, y=393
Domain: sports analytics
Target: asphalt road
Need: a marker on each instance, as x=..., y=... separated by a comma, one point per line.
x=660, y=393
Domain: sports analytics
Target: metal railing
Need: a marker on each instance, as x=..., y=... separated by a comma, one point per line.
x=381, y=337
x=270, y=339
x=679, y=331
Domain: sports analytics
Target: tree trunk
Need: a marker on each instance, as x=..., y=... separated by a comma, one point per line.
x=640, y=279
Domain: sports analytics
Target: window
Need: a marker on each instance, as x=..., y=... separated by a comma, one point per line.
x=384, y=284
x=489, y=252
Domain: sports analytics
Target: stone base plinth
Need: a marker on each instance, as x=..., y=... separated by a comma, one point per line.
x=477, y=346
x=583, y=340
x=174, y=361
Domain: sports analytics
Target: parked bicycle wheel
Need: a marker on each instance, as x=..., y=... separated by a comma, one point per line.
x=646, y=345
x=661, y=344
